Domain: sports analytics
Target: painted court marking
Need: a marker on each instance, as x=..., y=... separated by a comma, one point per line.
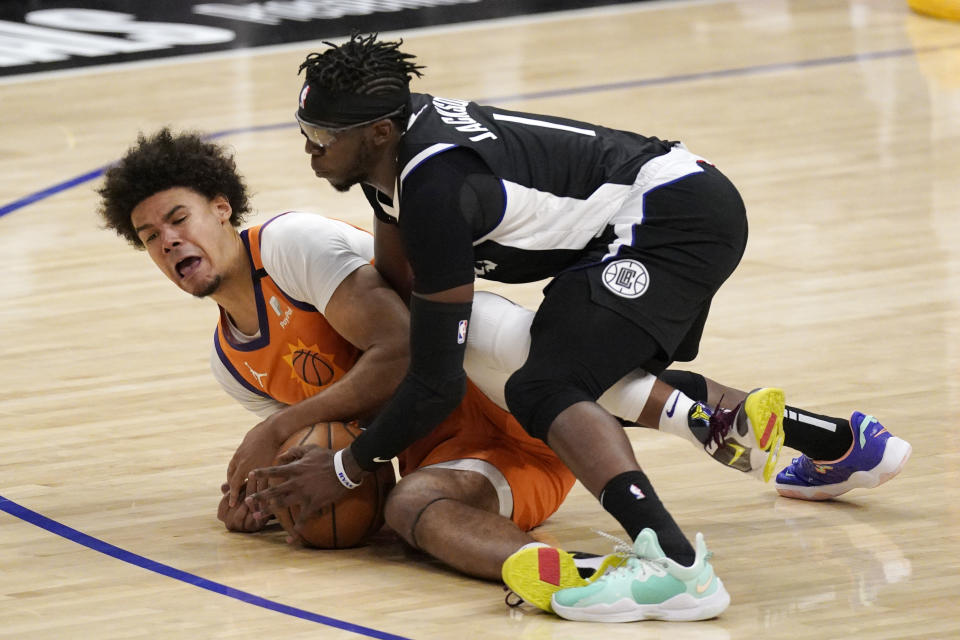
x=108, y=549
x=100, y=546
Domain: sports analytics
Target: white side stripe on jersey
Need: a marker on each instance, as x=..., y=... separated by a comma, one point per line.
x=538, y=220
x=676, y=164
x=543, y=123
x=417, y=159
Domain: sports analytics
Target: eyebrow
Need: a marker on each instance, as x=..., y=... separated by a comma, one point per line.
x=168, y=215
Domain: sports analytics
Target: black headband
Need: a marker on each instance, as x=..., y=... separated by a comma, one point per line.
x=326, y=108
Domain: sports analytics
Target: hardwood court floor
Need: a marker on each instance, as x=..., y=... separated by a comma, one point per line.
x=840, y=123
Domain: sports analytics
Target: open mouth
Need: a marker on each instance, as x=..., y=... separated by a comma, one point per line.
x=187, y=266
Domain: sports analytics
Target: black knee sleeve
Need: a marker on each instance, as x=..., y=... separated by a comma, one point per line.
x=536, y=400
x=689, y=383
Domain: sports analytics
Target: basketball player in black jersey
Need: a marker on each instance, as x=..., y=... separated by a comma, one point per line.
x=637, y=234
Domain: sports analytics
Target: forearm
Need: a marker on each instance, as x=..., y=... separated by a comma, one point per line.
x=415, y=410
x=432, y=388
x=359, y=394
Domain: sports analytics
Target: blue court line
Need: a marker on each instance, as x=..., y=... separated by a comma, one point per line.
x=775, y=67
x=106, y=548
x=96, y=173
x=613, y=86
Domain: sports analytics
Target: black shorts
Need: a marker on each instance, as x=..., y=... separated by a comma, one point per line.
x=654, y=278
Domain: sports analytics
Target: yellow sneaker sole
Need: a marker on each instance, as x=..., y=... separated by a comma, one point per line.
x=764, y=409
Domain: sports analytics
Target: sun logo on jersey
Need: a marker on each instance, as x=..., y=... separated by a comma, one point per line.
x=311, y=367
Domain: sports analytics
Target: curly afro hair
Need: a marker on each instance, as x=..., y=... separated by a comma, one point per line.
x=163, y=161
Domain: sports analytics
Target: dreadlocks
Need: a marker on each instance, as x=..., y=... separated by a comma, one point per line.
x=164, y=161
x=363, y=65
x=359, y=81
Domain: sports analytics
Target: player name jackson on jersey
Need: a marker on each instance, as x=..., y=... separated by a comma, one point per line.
x=562, y=180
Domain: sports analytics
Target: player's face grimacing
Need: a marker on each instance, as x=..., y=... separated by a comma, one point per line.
x=187, y=236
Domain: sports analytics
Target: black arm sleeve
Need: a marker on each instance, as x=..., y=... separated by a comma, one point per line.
x=448, y=201
x=433, y=387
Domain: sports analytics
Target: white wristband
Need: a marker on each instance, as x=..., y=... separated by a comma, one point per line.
x=341, y=474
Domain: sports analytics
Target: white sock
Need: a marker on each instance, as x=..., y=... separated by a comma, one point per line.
x=673, y=418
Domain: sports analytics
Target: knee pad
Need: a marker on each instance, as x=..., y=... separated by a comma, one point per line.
x=536, y=399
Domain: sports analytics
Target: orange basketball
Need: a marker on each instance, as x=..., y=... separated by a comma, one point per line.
x=359, y=514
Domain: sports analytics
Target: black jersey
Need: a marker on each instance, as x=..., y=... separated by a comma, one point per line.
x=561, y=181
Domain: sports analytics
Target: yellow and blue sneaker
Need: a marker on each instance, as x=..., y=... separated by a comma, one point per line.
x=648, y=586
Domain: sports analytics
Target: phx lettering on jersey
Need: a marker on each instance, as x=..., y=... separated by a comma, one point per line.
x=454, y=112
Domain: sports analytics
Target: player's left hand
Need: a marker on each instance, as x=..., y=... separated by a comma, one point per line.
x=237, y=518
x=308, y=481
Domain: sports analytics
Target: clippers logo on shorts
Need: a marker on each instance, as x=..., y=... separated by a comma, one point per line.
x=462, y=332
x=626, y=278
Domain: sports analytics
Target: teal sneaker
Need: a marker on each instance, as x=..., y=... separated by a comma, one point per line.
x=650, y=586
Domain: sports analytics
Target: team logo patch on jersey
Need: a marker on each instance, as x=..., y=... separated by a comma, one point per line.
x=283, y=314
x=626, y=278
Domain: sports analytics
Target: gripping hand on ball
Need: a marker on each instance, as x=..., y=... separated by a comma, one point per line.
x=257, y=450
x=305, y=478
x=238, y=517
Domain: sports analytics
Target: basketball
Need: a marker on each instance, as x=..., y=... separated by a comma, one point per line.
x=359, y=514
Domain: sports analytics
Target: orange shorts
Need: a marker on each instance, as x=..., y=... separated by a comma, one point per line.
x=480, y=430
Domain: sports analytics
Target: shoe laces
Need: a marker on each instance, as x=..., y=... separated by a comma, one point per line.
x=621, y=547
x=720, y=424
x=625, y=550
x=633, y=564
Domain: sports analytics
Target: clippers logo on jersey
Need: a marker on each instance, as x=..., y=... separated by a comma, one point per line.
x=626, y=278
x=462, y=332
x=303, y=96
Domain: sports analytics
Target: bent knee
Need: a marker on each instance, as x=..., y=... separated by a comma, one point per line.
x=407, y=501
x=536, y=399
